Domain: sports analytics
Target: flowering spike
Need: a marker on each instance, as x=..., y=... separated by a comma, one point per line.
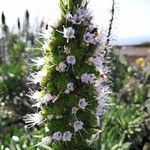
x=80, y=91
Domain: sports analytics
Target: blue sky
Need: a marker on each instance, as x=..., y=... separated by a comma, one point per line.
x=132, y=19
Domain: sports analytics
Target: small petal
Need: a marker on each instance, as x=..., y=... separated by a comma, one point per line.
x=70, y=86
x=57, y=136
x=33, y=119
x=71, y=60
x=46, y=141
x=82, y=103
x=67, y=136
x=78, y=125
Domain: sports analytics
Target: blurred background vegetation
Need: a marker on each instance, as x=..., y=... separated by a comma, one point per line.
x=126, y=125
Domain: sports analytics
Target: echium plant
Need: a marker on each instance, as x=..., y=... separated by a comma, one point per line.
x=71, y=77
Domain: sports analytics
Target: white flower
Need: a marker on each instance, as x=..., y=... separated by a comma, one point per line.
x=82, y=103
x=40, y=99
x=33, y=119
x=36, y=95
x=57, y=136
x=88, y=78
x=61, y=67
x=67, y=91
x=70, y=86
x=46, y=141
x=67, y=136
x=74, y=110
x=15, y=138
x=38, y=76
x=78, y=125
x=68, y=16
x=103, y=96
x=71, y=60
x=66, y=49
x=38, y=61
x=89, y=38
x=68, y=33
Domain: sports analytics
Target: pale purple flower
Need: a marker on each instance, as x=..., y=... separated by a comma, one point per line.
x=78, y=125
x=88, y=78
x=89, y=38
x=61, y=67
x=33, y=119
x=70, y=86
x=96, y=61
x=68, y=33
x=77, y=19
x=67, y=136
x=82, y=103
x=71, y=60
x=57, y=136
x=85, y=14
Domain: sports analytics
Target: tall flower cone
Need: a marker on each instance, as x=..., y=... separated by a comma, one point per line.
x=71, y=77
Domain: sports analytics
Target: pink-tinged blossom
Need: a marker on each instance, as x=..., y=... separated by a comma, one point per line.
x=78, y=125
x=67, y=136
x=33, y=119
x=71, y=60
x=57, y=136
x=82, y=103
x=68, y=33
x=88, y=78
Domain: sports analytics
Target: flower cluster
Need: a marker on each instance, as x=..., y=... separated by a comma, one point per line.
x=82, y=17
x=88, y=78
